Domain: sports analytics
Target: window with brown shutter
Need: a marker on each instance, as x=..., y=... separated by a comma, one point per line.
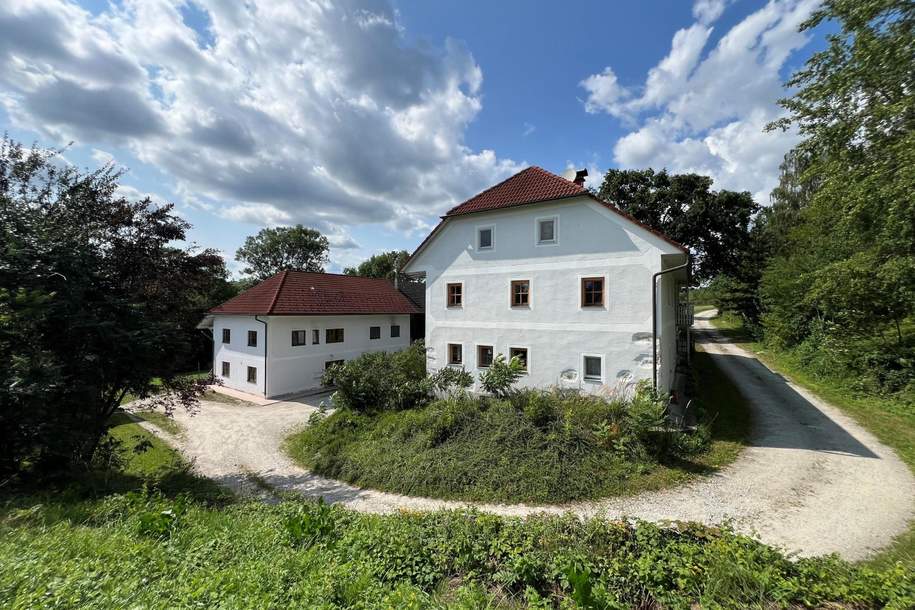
x=592, y=292
x=521, y=293
x=455, y=295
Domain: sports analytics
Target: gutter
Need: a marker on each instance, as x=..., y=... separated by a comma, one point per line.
x=264, y=322
x=654, y=318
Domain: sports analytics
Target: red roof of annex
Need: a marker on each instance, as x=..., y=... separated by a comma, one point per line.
x=314, y=294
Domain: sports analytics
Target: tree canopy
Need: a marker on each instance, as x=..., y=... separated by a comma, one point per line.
x=382, y=265
x=714, y=225
x=295, y=248
x=96, y=302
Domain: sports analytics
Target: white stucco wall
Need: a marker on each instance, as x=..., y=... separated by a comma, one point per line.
x=297, y=368
x=237, y=353
x=558, y=332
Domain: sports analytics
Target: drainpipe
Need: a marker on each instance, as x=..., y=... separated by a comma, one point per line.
x=264, y=322
x=654, y=318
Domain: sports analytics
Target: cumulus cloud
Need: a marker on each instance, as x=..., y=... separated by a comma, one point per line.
x=280, y=112
x=704, y=110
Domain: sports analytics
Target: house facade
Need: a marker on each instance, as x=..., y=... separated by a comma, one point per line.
x=278, y=337
x=537, y=267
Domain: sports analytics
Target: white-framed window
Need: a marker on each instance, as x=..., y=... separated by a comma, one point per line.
x=252, y=338
x=485, y=355
x=252, y=374
x=455, y=354
x=316, y=336
x=547, y=229
x=522, y=353
x=299, y=337
x=592, y=367
x=226, y=335
x=225, y=369
x=374, y=332
x=486, y=237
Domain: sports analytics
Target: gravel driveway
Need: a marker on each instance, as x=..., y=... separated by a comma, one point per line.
x=812, y=481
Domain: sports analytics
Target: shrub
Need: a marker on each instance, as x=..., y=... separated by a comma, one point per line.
x=499, y=378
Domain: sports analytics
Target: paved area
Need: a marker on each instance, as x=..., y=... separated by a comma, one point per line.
x=812, y=481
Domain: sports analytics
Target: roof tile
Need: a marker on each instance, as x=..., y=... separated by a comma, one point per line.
x=527, y=186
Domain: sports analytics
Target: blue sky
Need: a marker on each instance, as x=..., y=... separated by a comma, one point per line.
x=369, y=118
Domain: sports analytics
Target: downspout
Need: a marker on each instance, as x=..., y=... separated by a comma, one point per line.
x=654, y=319
x=264, y=322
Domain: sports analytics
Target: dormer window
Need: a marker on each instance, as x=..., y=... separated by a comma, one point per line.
x=485, y=238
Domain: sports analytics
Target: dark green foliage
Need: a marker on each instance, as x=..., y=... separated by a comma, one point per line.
x=533, y=446
x=501, y=375
x=384, y=265
x=714, y=225
x=295, y=248
x=95, y=303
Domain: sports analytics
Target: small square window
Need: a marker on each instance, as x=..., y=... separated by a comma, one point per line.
x=225, y=369
x=520, y=353
x=252, y=374
x=593, y=368
x=333, y=335
x=395, y=330
x=592, y=292
x=299, y=337
x=521, y=293
x=455, y=353
x=252, y=338
x=484, y=238
x=546, y=231
x=455, y=295
x=374, y=332
x=226, y=335
x=315, y=337
x=484, y=356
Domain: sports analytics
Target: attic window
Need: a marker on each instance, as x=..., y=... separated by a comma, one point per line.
x=546, y=231
x=485, y=238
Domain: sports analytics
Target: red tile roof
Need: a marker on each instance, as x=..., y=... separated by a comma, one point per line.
x=527, y=186
x=317, y=294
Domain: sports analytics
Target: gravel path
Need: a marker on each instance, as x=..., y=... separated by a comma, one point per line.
x=812, y=481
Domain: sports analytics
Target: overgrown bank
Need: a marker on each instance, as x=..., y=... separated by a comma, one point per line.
x=189, y=547
x=541, y=447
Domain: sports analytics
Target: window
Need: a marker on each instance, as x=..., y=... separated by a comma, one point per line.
x=374, y=332
x=592, y=292
x=299, y=337
x=484, y=356
x=226, y=335
x=521, y=293
x=520, y=353
x=252, y=338
x=455, y=353
x=331, y=363
x=593, y=368
x=485, y=238
x=333, y=335
x=252, y=374
x=546, y=230
x=315, y=337
x=395, y=330
x=455, y=295
x=225, y=369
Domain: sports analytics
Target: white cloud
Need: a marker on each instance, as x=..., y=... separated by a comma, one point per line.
x=319, y=113
x=708, y=114
x=707, y=11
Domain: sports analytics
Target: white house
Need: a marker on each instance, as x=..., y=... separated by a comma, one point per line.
x=278, y=337
x=537, y=267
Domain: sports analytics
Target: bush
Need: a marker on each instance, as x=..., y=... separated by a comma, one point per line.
x=533, y=446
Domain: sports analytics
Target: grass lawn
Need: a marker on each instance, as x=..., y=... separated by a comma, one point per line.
x=701, y=308
x=155, y=536
x=889, y=419
x=496, y=452
x=161, y=420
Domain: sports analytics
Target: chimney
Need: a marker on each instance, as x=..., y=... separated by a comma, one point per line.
x=580, y=176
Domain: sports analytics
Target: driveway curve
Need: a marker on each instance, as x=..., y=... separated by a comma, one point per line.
x=811, y=481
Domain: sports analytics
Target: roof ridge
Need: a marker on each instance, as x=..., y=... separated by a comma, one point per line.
x=549, y=173
x=494, y=186
x=279, y=288
x=364, y=277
